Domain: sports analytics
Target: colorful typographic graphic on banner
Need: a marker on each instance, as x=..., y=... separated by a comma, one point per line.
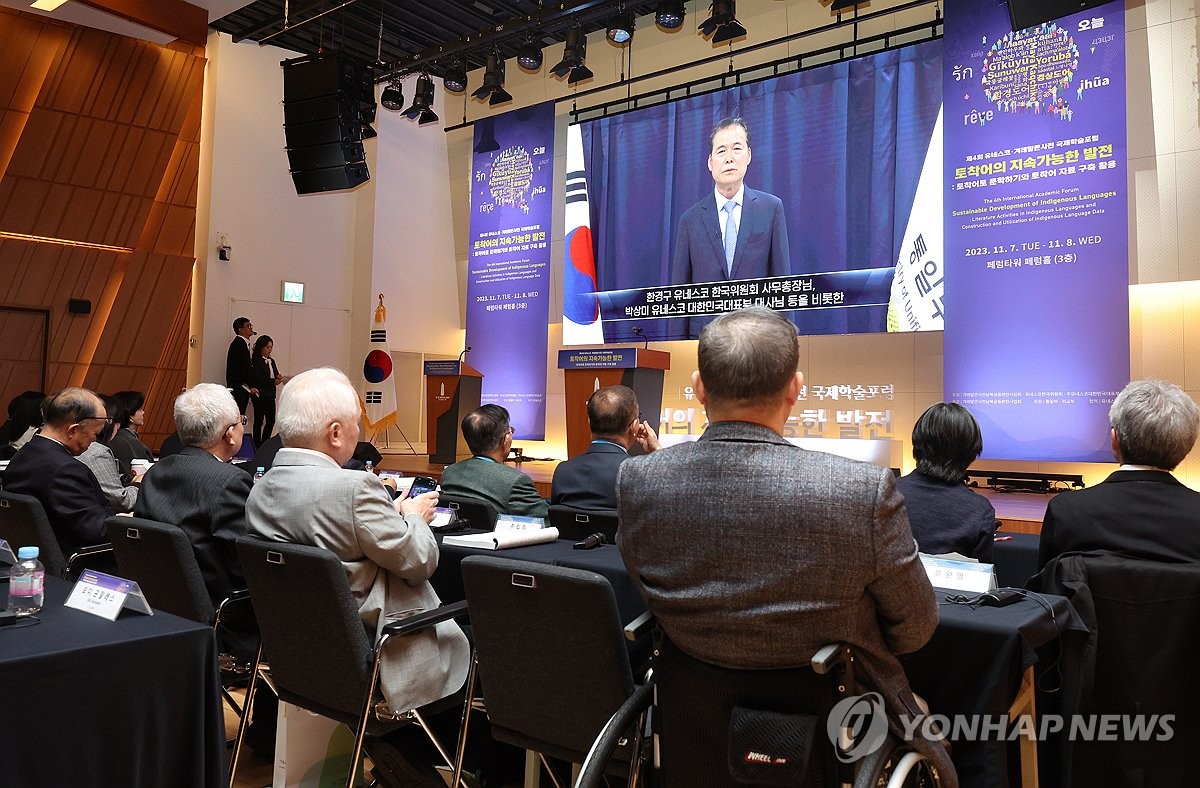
x=1036, y=234
x=509, y=264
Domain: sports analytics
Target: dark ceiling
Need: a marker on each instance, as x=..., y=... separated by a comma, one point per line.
x=419, y=35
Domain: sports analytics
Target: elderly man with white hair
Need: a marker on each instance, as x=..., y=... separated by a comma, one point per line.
x=386, y=547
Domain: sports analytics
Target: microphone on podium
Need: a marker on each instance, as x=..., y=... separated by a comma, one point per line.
x=463, y=354
x=640, y=333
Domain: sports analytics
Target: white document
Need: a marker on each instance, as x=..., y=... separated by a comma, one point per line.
x=501, y=540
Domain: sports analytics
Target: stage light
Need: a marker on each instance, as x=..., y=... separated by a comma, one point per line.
x=722, y=25
x=455, y=77
x=422, y=101
x=574, y=54
x=393, y=95
x=493, y=81
x=530, y=56
x=669, y=15
x=620, y=27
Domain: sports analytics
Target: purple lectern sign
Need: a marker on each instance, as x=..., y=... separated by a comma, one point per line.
x=1037, y=285
x=509, y=264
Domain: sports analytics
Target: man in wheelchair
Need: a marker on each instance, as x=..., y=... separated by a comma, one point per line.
x=754, y=554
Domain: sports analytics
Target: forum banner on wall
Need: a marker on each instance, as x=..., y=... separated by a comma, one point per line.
x=508, y=268
x=1036, y=233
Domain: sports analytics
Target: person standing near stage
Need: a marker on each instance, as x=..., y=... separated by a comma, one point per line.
x=239, y=371
x=266, y=378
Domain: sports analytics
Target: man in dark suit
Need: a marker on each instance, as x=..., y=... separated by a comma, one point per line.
x=734, y=233
x=485, y=476
x=589, y=481
x=199, y=491
x=754, y=553
x=46, y=468
x=1140, y=510
x=239, y=366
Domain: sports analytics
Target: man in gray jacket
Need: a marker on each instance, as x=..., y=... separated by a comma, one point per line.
x=754, y=553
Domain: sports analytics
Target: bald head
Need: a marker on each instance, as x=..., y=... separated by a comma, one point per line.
x=74, y=417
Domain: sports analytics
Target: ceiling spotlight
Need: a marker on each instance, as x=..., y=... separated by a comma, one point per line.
x=530, y=55
x=669, y=15
x=455, y=77
x=422, y=100
x=573, y=56
x=493, y=81
x=393, y=95
x=722, y=22
x=620, y=27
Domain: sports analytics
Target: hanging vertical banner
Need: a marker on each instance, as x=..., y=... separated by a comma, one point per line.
x=1036, y=232
x=379, y=386
x=508, y=269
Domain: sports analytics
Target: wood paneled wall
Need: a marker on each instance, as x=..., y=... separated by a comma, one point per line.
x=100, y=143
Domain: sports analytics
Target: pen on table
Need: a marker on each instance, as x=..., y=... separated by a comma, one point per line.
x=1002, y=539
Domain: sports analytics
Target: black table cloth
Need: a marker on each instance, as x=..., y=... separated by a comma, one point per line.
x=91, y=702
x=1015, y=557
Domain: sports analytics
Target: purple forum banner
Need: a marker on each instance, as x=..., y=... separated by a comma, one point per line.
x=508, y=269
x=1037, y=283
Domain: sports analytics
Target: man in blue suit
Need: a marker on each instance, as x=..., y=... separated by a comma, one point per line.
x=734, y=233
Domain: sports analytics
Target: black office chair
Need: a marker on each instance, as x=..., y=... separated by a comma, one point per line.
x=160, y=559
x=551, y=657
x=476, y=513
x=574, y=523
x=1144, y=622
x=23, y=523
x=321, y=657
x=714, y=727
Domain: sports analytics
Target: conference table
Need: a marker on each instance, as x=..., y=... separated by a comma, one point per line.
x=91, y=702
x=980, y=660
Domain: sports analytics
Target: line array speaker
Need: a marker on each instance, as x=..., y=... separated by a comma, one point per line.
x=1027, y=13
x=327, y=102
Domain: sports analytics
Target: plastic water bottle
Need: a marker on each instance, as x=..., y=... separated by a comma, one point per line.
x=258, y=474
x=26, y=583
x=370, y=467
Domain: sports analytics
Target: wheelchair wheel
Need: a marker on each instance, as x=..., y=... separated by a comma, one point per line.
x=896, y=765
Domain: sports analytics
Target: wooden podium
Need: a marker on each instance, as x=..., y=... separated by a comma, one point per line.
x=587, y=370
x=452, y=390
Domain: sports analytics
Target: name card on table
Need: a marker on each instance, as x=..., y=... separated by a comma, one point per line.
x=104, y=595
x=512, y=522
x=969, y=576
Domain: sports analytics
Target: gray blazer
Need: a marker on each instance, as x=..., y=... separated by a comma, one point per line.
x=754, y=553
x=306, y=498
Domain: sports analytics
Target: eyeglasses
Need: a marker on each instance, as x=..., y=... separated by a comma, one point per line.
x=106, y=419
x=512, y=430
x=242, y=422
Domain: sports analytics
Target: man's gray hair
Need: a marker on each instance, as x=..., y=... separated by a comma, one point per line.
x=312, y=401
x=1156, y=423
x=203, y=413
x=747, y=357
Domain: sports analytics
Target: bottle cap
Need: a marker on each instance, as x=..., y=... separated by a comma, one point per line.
x=25, y=553
x=261, y=469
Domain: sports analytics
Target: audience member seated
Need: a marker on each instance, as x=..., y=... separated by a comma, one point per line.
x=46, y=468
x=24, y=418
x=121, y=494
x=752, y=552
x=1141, y=510
x=127, y=444
x=386, y=547
x=199, y=491
x=944, y=514
x=485, y=476
x=589, y=481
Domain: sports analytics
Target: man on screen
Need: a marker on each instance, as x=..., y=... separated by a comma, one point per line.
x=734, y=233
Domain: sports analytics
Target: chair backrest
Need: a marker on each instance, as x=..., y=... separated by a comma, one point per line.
x=318, y=649
x=552, y=657
x=1147, y=626
x=476, y=513
x=160, y=559
x=694, y=703
x=23, y=523
x=573, y=523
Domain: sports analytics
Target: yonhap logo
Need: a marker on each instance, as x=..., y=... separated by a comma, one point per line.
x=857, y=726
